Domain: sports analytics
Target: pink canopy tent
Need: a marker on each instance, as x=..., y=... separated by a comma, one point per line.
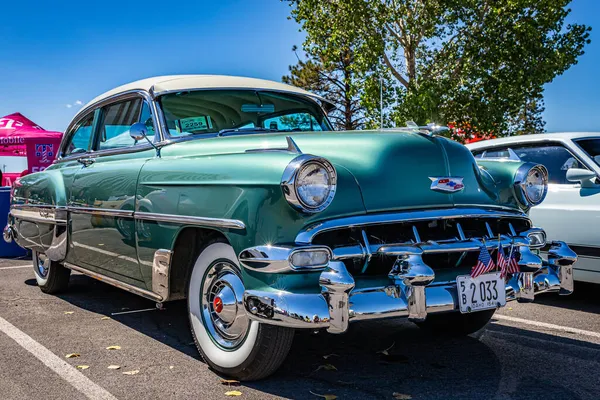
x=25, y=147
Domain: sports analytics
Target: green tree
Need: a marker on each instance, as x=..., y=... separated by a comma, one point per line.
x=353, y=93
x=476, y=63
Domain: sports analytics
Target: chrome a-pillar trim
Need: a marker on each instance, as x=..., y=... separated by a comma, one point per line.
x=114, y=282
x=190, y=220
x=161, y=269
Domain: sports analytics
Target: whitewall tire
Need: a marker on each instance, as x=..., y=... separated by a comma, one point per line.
x=51, y=277
x=228, y=341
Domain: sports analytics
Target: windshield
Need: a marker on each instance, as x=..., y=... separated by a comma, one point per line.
x=591, y=147
x=231, y=112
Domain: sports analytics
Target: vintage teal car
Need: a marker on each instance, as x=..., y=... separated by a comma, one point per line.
x=235, y=194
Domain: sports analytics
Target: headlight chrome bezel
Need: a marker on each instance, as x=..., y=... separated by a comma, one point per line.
x=520, y=183
x=289, y=182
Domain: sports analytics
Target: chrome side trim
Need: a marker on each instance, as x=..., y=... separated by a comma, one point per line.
x=190, y=220
x=161, y=268
x=292, y=147
x=308, y=234
x=102, y=211
x=114, y=282
x=48, y=214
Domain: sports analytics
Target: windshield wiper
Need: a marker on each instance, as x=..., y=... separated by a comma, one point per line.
x=223, y=132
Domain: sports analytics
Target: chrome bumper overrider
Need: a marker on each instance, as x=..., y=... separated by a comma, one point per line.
x=410, y=293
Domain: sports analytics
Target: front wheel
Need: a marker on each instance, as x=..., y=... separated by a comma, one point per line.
x=51, y=277
x=227, y=339
x=456, y=324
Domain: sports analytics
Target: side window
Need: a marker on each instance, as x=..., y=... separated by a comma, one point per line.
x=293, y=122
x=555, y=157
x=82, y=137
x=116, y=121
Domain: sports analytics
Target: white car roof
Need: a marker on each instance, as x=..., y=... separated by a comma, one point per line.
x=540, y=137
x=169, y=83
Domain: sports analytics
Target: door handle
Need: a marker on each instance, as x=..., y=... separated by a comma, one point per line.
x=86, y=161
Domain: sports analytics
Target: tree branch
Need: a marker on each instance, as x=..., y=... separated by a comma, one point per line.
x=396, y=74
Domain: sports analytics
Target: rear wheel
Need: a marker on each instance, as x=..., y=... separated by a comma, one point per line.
x=227, y=339
x=456, y=324
x=51, y=277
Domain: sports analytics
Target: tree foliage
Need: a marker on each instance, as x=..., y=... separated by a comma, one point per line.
x=476, y=63
x=355, y=94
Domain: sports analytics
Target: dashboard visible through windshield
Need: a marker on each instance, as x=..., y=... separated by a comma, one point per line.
x=235, y=112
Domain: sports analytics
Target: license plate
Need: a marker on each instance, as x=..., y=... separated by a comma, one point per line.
x=481, y=293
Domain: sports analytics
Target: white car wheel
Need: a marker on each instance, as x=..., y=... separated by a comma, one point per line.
x=229, y=341
x=51, y=277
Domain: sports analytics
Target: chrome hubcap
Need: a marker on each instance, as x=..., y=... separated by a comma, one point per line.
x=42, y=265
x=222, y=308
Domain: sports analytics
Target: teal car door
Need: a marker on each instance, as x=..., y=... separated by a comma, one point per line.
x=103, y=192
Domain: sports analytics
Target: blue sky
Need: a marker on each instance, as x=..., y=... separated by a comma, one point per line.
x=54, y=54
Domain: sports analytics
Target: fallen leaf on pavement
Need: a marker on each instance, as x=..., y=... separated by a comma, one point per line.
x=385, y=352
x=105, y=318
x=233, y=393
x=72, y=355
x=326, y=367
x=509, y=308
x=325, y=396
x=229, y=382
x=114, y=367
x=113, y=348
x=83, y=366
x=135, y=371
x=401, y=396
x=69, y=312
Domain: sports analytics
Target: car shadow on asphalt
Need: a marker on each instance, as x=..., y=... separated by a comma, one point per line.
x=372, y=360
x=584, y=298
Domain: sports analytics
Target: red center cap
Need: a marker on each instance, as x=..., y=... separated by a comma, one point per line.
x=218, y=304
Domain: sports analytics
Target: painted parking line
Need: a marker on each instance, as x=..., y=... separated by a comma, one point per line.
x=559, y=328
x=62, y=368
x=17, y=267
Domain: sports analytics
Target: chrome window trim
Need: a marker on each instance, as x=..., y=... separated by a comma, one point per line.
x=158, y=124
x=191, y=220
x=307, y=235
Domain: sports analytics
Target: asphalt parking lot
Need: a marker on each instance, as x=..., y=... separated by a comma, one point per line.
x=549, y=349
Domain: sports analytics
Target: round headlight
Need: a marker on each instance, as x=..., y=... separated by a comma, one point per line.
x=532, y=183
x=309, y=183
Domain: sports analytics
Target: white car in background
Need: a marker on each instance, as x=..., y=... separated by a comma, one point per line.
x=571, y=210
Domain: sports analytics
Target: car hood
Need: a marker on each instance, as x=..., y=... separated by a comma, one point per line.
x=392, y=169
x=395, y=170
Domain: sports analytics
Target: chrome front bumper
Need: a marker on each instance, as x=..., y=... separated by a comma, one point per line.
x=410, y=293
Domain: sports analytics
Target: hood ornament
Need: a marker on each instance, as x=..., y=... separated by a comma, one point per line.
x=447, y=184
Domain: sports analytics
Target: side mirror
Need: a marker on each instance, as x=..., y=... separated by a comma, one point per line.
x=580, y=175
x=138, y=131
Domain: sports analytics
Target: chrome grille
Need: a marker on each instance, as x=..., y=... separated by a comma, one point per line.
x=449, y=242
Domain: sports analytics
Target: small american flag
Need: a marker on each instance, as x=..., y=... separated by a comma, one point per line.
x=484, y=263
x=502, y=261
x=513, y=265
